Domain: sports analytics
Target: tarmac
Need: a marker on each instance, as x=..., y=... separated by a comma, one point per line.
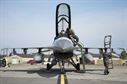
x=37, y=74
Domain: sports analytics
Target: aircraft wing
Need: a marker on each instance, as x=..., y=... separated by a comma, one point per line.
x=25, y=49
x=39, y=49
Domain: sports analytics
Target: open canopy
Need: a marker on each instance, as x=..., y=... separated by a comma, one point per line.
x=63, y=18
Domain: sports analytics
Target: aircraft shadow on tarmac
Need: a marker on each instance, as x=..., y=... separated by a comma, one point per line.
x=89, y=71
x=54, y=72
x=41, y=72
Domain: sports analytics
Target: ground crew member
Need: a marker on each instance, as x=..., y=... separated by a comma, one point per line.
x=106, y=62
x=70, y=33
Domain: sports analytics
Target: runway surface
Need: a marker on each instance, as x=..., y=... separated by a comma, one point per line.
x=37, y=74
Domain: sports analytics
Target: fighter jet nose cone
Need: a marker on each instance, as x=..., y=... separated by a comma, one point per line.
x=63, y=43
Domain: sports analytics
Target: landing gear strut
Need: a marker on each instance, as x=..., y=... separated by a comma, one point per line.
x=61, y=64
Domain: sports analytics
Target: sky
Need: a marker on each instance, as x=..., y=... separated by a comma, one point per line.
x=31, y=23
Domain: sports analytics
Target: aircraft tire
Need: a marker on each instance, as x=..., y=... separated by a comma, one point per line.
x=3, y=63
x=48, y=66
x=78, y=66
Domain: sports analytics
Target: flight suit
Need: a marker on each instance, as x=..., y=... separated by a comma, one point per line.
x=70, y=33
x=106, y=62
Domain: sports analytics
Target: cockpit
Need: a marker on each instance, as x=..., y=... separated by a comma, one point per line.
x=63, y=18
